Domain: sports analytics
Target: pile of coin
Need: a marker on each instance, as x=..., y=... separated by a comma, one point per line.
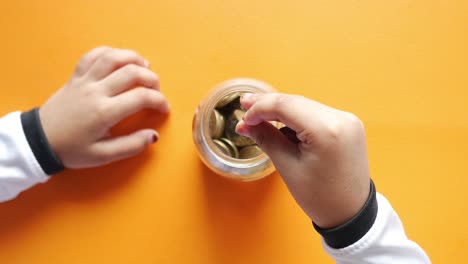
x=222, y=125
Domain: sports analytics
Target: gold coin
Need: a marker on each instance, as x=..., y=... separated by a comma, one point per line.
x=249, y=152
x=216, y=125
x=232, y=148
x=230, y=129
x=222, y=147
x=228, y=99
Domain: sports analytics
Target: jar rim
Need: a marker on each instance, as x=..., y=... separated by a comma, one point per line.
x=207, y=105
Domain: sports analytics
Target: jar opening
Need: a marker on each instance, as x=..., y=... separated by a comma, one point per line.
x=222, y=117
x=213, y=131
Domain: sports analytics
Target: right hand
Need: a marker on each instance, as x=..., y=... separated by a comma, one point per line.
x=101, y=92
x=327, y=170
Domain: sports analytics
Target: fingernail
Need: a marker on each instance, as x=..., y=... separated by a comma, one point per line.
x=240, y=128
x=246, y=96
x=167, y=109
x=146, y=63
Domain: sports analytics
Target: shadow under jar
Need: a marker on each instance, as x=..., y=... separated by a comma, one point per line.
x=213, y=129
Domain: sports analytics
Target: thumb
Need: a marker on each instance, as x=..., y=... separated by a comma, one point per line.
x=270, y=140
x=126, y=146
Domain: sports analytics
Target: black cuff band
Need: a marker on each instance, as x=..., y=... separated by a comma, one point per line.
x=38, y=143
x=353, y=230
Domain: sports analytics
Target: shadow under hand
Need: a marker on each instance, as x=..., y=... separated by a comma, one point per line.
x=86, y=185
x=234, y=212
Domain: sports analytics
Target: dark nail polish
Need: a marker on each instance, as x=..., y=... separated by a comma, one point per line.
x=154, y=139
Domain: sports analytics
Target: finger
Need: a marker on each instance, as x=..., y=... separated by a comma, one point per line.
x=132, y=101
x=246, y=100
x=294, y=111
x=89, y=59
x=270, y=140
x=114, y=59
x=129, y=77
x=113, y=149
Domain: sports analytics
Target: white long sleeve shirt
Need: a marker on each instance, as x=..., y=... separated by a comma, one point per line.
x=374, y=236
x=19, y=168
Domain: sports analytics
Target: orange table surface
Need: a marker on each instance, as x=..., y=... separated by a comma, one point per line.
x=399, y=65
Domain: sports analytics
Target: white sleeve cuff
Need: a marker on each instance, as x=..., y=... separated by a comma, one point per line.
x=19, y=169
x=385, y=242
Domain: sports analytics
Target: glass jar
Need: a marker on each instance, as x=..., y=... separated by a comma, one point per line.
x=216, y=158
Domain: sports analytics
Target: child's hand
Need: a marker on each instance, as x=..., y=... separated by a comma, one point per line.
x=101, y=92
x=327, y=171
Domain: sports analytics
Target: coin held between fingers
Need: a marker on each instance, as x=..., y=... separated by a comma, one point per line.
x=233, y=120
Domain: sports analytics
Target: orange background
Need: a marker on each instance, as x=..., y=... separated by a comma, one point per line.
x=399, y=65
